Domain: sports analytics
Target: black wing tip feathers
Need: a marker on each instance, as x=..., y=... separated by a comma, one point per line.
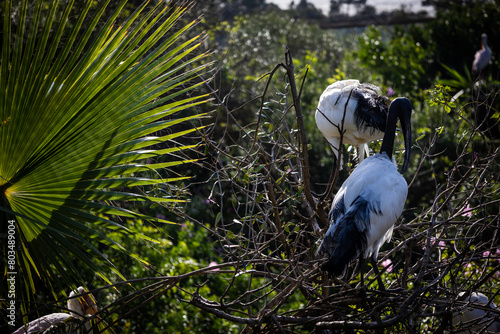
x=349, y=239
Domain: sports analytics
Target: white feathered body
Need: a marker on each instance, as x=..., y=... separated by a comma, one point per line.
x=78, y=307
x=344, y=96
x=364, y=212
x=473, y=320
x=482, y=56
x=43, y=323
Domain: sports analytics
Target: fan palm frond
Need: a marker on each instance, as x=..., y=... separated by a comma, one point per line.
x=81, y=110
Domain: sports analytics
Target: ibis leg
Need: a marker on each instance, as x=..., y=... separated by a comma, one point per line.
x=377, y=273
x=362, y=280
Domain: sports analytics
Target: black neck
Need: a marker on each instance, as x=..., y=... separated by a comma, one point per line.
x=390, y=132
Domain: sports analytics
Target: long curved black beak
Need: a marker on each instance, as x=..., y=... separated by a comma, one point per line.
x=405, y=119
x=400, y=108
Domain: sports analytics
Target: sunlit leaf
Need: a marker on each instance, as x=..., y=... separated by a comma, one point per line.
x=82, y=112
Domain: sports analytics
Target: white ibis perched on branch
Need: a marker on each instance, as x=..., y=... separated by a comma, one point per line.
x=476, y=319
x=369, y=202
x=481, y=60
x=357, y=110
x=482, y=57
x=79, y=307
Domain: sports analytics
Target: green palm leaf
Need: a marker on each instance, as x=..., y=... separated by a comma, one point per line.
x=79, y=111
x=458, y=80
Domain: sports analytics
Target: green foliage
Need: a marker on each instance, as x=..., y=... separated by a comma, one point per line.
x=82, y=112
x=441, y=96
x=457, y=80
x=189, y=248
x=455, y=34
x=398, y=60
x=253, y=45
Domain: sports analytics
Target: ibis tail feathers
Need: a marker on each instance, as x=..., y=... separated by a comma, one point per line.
x=348, y=239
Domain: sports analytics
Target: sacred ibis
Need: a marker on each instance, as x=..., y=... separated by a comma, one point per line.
x=482, y=57
x=79, y=307
x=369, y=202
x=357, y=110
x=477, y=319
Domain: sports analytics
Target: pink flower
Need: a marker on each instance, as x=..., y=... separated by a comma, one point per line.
x=467, y=212
x=486, y=254
x=212, y=264
x=433, y=240
x=387, y=264
x=441, y=243
x=497, y=252
x=390, y=91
